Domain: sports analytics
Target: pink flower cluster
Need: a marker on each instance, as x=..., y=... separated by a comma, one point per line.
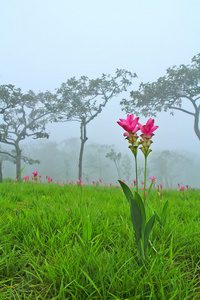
x=35, y=177
x=49, y=179
x=26, y=178
x=131, y=126
x=80, y=182
x=182, y=188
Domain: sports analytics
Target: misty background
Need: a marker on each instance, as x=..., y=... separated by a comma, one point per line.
x=45, y=43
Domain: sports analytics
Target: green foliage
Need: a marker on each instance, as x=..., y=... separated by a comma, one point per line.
x=142, y=230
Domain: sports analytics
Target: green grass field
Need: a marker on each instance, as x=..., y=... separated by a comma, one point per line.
x=75, y=242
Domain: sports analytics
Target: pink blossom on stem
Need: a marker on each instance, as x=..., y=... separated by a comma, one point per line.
x=147, y=130
x=129, y=124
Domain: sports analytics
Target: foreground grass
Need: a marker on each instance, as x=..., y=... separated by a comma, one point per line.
x=46, y=251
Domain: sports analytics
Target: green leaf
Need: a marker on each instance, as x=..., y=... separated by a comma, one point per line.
x=87, y=230
x=126, y=190
x=148, y=229
x=164, y=213
x=148, y=194
x=138, y=215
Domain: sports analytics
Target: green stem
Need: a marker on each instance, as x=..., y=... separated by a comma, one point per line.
x=145, y=176
x=136, y=173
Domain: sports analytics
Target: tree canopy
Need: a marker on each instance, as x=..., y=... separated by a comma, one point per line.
x=179, y=86
x=9, y=97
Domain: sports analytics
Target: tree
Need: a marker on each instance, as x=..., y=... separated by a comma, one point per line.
x=9, y=97
x=115, y=157
x=12, y=157
x=180, y=84
x=83, y=99
x=167, y=165
x=126, y=167
x=27, y=119
x=95, y=163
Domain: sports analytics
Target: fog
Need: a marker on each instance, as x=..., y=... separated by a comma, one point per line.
x=45, y=43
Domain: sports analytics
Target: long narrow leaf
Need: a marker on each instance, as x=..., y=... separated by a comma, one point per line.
x=138, y=216
x=87, y=230
x=164, y=213
x=148, y=194
x=148, y=229
x=126, y=190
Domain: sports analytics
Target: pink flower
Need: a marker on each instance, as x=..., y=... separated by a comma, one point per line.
x=147, y=130
x=130, y=124
x=134, y=180
x=123, y=181
x=153, y=178
x=182, y=188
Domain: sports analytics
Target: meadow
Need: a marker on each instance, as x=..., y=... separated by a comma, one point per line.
x=77, y=242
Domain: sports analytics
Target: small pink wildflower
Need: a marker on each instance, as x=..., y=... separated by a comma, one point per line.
x=153, y=178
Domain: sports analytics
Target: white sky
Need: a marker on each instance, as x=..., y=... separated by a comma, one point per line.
x=43, y=43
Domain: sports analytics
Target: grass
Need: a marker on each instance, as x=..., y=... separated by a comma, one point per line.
x=78, y=243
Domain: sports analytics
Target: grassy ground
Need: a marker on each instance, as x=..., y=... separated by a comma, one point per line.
x=78, y=243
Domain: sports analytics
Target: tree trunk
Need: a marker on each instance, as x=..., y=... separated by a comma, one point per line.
x=118, y=170
x=18, y=163
x=196, y=122
x=83, y=140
